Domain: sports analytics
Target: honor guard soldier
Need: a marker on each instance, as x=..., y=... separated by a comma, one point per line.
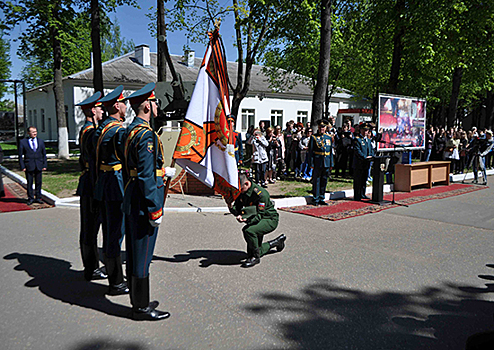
x=255, y=208
x=143, y=200
x=363, y=153
x=321, y=159
x=109, y=187
x=89, y=207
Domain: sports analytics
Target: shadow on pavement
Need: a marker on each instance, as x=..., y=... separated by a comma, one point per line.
x=209, y=257
x=107, y=344
x=332, y=317
x=56, y=279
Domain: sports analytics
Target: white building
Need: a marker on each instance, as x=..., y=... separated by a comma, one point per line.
x=136, y=69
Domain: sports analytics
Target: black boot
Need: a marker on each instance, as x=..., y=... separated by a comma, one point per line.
x=254, y=260
x=278, y=242
x=115, y=276
x=90, y=261
x=142, y=309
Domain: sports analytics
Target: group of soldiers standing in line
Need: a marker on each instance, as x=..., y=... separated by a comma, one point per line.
x=122, y=189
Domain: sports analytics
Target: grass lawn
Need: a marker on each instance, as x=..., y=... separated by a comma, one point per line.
x=10, y=149
x=295, y=188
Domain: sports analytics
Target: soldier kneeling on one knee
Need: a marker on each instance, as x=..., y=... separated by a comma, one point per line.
x=255, y=208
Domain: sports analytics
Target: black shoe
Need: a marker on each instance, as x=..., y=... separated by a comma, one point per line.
x=322, y=203
x=254, y=259
x=118, y=289
x=149, y=313
x=251, y=262
x=99, y=274
x=39, y=201
x=364, y=197
x=278, y=242
x=29, y=202
x=140, y=298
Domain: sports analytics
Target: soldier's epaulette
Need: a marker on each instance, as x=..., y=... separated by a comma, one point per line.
x=257, y=191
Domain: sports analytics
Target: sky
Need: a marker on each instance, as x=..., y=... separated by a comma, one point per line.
x=134, y=26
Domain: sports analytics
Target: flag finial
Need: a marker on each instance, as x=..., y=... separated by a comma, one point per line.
x=217, y=23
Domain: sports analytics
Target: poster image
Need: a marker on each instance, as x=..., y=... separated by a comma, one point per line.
x=402, y=121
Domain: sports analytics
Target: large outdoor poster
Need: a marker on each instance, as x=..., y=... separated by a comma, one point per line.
x=402, y=120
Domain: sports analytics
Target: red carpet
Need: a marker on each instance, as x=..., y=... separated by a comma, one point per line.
x=15, y=199
x=347, y=208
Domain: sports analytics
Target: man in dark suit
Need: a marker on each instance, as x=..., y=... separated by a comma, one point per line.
x=32, y=159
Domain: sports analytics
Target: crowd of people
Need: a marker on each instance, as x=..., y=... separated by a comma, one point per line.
x=458, y=146
x=274, y=153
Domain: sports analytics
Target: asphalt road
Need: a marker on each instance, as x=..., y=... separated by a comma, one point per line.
x=415, y=277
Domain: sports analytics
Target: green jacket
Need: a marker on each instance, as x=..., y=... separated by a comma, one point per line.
x=259, y=197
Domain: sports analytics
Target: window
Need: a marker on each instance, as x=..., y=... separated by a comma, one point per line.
x=276, y=118
x=42, y=120
x=248, y=118
x=302, y=117
x=35, y=118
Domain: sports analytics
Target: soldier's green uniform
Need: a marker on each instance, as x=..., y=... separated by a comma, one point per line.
x=263, y=221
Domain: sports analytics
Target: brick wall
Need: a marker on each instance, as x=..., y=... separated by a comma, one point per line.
x=190, y=185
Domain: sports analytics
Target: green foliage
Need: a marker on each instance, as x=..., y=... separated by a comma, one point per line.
x=438, y=36
x=4, y=72
x=112, y=43
x=74, y=30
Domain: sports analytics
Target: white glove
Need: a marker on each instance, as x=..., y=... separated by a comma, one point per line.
x=170, y=172
x=157, y=222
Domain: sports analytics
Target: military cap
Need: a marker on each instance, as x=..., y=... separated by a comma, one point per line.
x=249, y=212
x=143, y=94
x=114, y=96
x=90, y=102
x=322, y=122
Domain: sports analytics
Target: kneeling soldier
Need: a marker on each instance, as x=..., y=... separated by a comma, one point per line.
x=143, y=200
x=255, y=208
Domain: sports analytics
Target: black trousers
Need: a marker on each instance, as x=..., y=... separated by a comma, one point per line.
x=90, y=220
x=359, y=180
x=36, y=176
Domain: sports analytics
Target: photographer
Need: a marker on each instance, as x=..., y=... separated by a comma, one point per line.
x=478, y=149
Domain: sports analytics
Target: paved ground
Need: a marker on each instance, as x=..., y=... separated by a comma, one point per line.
x=405, y=278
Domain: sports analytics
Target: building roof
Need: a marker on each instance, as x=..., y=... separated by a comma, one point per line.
x=127, y=70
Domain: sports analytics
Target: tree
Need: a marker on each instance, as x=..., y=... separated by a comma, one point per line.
x=47, y=23
x=4, y=72
x=253, y=19
x=321, y=88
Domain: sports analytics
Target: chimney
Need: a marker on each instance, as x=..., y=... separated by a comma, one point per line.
x=142, y=55
x=190, y=57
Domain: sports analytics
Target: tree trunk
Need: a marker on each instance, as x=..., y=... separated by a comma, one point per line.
x=96, y=46
x=455, y=93
x=489, y=109
x=320, y=91
x=63, y=137
x=397, y=47
x=161, y=49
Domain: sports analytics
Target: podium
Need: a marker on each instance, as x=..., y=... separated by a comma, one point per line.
x=379, y=168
